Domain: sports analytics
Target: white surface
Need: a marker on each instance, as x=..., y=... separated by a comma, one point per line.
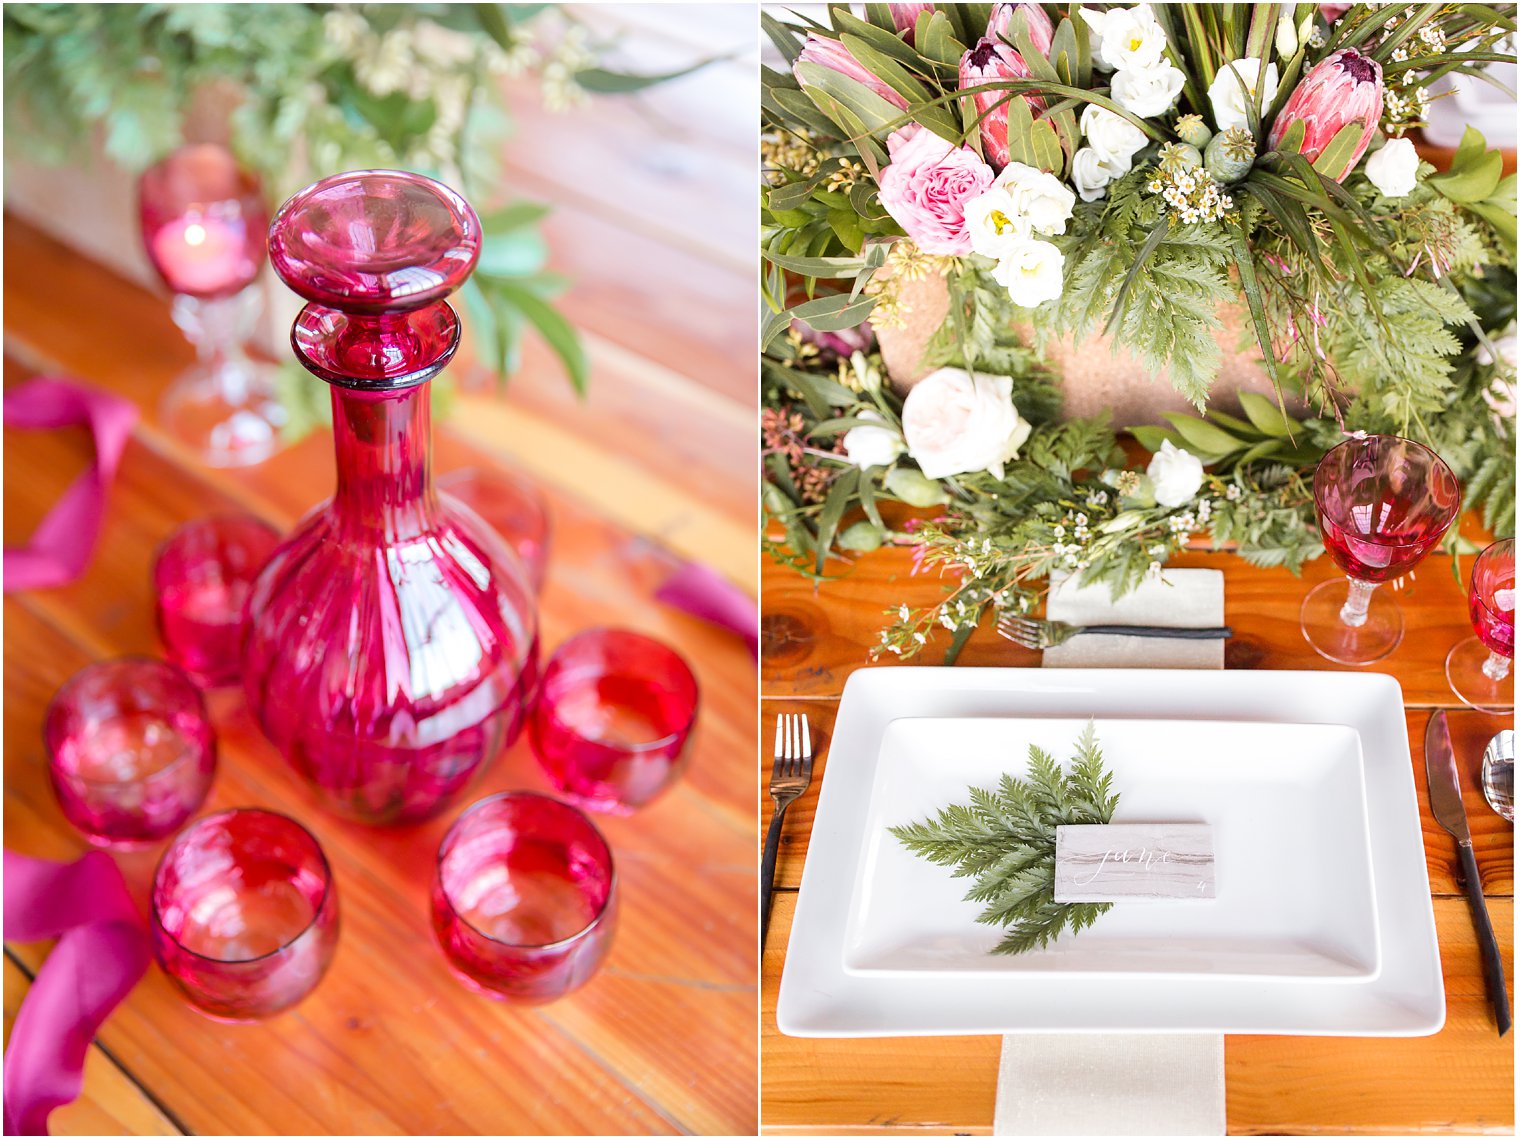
x=1183, y=598
x=1292, y=860
x=819, y=997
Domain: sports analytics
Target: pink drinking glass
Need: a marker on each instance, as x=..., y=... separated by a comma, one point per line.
x=203, y=218
x=130, y=751
x=1383, y=503
x=524, y=898
x=244, y=914
x=1478, y=668
x=513, y=507
x=202, y=577
x=612, y=725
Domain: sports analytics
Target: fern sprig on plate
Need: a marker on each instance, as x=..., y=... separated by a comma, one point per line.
x=1005, y=839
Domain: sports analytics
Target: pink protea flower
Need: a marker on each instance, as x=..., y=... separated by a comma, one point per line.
x=1041, y=32
x=905, y=17
x=926, y=188
x=992, y=61
x=1345, y=88
x=836, y=57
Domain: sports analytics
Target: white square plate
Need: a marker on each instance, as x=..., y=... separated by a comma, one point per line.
x=821, y=997
x=1292, y=860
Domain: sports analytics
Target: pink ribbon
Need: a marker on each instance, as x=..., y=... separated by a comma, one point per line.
x=102, y=952
x=61, y=547
x=697, y=590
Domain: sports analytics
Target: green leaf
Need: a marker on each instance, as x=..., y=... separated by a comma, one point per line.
x=821, y=267
x=831, y=314
x=1474, y=174
x=830, y=90
x=554, y=328
x=835, y=503
x=1033, y=141
x=1264, y=415
x=600, y=81
x=1151, y=437
x=1201, y=437
x=1334, y=161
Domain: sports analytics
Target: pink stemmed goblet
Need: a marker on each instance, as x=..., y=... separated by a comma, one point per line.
x=203, y=220
x=524, y=898
x=202, y=577
x=1478, y=668
x=245, y=914
x=130, y=751
x=1383, y=503
x=612, y=725
x=513, y=507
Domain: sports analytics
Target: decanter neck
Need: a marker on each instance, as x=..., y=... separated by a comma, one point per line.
x=385, y=477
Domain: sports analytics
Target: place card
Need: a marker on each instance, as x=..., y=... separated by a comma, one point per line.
x=1124, y=862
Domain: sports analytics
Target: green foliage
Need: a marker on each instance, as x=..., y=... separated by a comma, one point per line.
x=1005, y=839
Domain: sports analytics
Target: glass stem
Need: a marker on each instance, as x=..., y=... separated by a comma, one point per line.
x=1354, y=612
x=1496, y=667
x=218, y=328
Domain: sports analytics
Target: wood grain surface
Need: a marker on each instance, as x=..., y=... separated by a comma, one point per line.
x=663, y=1040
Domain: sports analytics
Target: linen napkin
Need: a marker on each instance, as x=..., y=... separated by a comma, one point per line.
x=1121, y=1084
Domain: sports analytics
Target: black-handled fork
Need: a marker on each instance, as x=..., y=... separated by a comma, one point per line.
x=790, y=776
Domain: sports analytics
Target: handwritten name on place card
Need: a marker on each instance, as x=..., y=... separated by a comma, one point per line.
x=1120, y=862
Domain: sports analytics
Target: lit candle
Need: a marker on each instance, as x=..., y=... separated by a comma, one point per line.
x=201, y=255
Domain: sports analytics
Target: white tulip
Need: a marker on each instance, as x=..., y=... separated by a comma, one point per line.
x=1032, y=273
x=956, y=423
x=1176, y=475
x=1234, y=89
x=871, y=446
x=1392, y=168
x=1148, y=91
x=1114, y=137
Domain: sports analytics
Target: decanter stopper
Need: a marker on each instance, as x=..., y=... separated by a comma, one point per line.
x=375, y=252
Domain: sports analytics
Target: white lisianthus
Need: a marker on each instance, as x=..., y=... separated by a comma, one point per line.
x=956, y=423
x=1505, y=344
x=1042, y=201
x=1031, y=272
x=1148, y=91
x=1175, y=474
x=1091, y=175
x=1127, y=37
x=871, y=446
x=1393, y=167
x=993, y=222
x=1287, y=36
x=1114, y=137
x=1234, y=89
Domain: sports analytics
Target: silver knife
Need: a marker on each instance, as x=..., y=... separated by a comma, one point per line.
x=1446, y=805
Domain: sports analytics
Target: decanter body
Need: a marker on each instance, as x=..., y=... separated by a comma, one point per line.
x=391, y=645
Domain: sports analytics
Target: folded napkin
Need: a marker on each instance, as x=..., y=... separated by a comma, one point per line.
x=1121, y=1084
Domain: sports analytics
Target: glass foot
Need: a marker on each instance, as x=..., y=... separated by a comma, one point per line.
x=1325, y=630
x=229, y=417
x=1470, y=668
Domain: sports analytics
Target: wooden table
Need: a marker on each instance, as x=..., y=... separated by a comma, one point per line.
x=1461, y=1079
x=663, y=1039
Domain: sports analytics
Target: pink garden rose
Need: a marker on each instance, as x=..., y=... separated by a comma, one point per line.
x=1040, y=30
x=905, y=17
x=836, y=57
x=1344, y=88
x=992, y=61
x=926, y=188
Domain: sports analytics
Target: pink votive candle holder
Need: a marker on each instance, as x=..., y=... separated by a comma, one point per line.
x=612, y=725
x=524, y=898
x=245, y=914
x=130, y=750
x=202, y=578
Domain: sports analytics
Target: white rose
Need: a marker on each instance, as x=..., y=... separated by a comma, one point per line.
x=1042, y=201
x=1234, y=89
x=1392, y=168
x=1090, y=174
x=955, y=423
x=1114, y=137
x=871, y=446
x=993, y=223
x=1175, y=474
x=1500, y=395
x=1127, y=37
x=1148, y=91
x=1505, y=345
x=1031, y=273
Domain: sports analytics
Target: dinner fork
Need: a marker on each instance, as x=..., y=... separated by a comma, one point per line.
x=790, y=776
x=1036, y=634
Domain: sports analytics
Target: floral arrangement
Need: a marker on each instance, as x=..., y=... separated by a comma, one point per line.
x=1130, y=171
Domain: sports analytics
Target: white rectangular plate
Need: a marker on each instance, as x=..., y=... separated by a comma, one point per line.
x=820, y=997
x=1294, y=892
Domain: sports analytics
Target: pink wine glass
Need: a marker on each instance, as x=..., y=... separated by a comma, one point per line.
x=130, y=751
x=1478, y=668
x=203, y=219
x=512, y=506
x=524, y=898
x=245, y=914
x=202, y=578
x=1383, y=503
x=612, y=726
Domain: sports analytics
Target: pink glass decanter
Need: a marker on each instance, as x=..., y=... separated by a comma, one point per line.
x=392, y=644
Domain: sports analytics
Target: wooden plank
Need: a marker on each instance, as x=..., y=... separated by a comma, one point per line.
x=1459, y=1080
x=1493, y=838
x=109, y=1102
